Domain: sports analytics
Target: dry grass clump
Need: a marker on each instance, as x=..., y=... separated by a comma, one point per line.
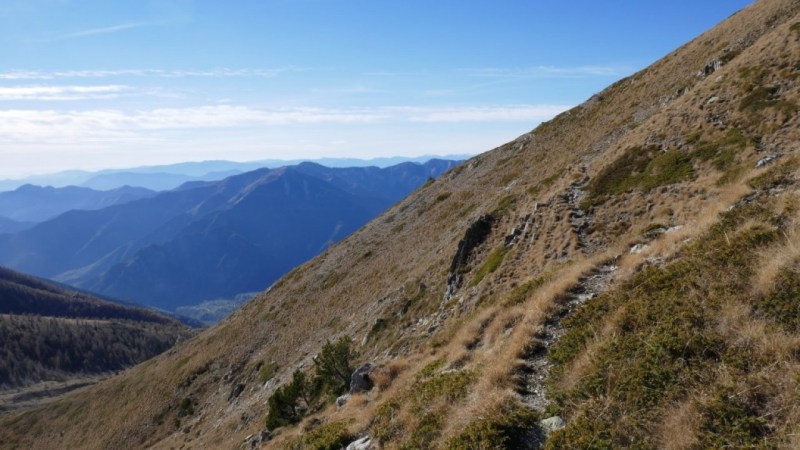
x=384, y=376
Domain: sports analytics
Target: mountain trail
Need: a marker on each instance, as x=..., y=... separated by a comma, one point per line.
x=536, y=365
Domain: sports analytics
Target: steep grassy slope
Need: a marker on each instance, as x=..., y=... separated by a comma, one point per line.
x=599, y=283
x=49, y=334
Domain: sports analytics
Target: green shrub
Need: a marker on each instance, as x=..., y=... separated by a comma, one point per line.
x=185, y=407
x=511, y=427
x=431, y=398
x=761, y=97
x=664, y=342
x=429, y=429
x=267, y=371
x=290, y=402
x=730, y=422
x=384, y=427
x=639, y=168
x=334, y=365
x=503, y=206
x=722, y=153
x=450, y=386
x=783, y=304
x=328, y=436
x=442, y=197
x=430, y=369
x=522, y=292
x=492, y=263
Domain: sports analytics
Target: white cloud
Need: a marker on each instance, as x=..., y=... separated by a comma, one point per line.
x=102, y=30
x=512, y=113
x=60, y=92
x=41, y=125
x=36, y=126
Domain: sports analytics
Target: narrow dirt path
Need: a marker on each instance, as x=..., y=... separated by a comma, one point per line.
x=536, y=364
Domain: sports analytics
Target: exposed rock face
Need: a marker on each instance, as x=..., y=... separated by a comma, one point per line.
x=365, y=443
x=342, y=400
x=767, y=160
x=473, y=237
x=236, y=391
x=552, y=424
x=360, y=381
x=710, y=68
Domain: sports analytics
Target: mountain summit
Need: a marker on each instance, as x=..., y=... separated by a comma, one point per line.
x=625, y=275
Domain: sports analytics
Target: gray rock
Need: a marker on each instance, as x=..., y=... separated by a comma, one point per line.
x=342, y=400
x=365, y=443
x=639, y=248
x=710, y=68
x=260, y=438
x=360, y=381
x=552, y=424
x=767, y=160
x=236, y=391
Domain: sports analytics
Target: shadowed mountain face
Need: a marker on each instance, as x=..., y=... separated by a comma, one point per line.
x=211, y=240
x=30, y=203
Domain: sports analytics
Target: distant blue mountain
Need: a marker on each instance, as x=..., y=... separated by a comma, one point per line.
x=169, y=176
x=12, y=226
x=30, y=203
x=211, y=240
x=161, y=181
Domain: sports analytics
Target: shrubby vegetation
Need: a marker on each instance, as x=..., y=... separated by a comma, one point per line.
x=639, y=168
x=415, y=418
x=303, y=395
x=511, y=427
x=669, y=324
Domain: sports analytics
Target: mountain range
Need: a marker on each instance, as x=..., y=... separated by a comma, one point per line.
x=170, y=176
x=32, y=204
x=625, y=275
x=211, y=240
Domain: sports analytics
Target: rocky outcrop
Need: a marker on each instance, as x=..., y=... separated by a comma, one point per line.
x=365, y=443
x=710, y=68
x=360, y=380
x=475, y=235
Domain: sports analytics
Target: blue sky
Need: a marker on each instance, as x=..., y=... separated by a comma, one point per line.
x=95, y=84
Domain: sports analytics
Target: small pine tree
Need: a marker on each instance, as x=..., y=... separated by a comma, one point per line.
x=292, y=401
x=283, y=407
x=334, y=365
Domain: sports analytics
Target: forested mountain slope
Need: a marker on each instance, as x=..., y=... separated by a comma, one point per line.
x=50, y=334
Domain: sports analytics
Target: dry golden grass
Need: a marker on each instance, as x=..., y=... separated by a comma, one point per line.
x=677, y=430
